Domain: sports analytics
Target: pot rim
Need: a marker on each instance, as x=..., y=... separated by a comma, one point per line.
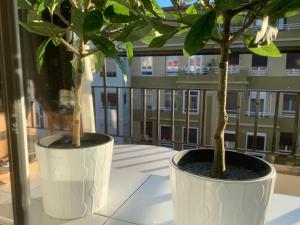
x=271, y=174
x=37, y=142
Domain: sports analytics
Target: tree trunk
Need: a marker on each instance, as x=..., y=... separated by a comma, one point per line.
x=218, y=169
x=77, y=106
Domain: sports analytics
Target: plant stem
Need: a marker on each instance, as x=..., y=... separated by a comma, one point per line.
x=77, y=94
x=219, y=168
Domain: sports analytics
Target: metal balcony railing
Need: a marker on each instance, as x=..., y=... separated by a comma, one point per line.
x=135, y=108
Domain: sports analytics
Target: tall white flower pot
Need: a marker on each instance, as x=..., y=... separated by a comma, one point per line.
x=200, y=200
x=74, y=181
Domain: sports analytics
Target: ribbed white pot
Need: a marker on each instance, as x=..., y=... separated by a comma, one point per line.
x=201, y=200
x=75, y=181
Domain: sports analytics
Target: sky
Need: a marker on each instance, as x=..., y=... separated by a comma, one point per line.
x=164, y=3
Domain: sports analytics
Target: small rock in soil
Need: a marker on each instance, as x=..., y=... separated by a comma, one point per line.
x=232, y=172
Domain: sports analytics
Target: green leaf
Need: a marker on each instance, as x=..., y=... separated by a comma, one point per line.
x=40, y=6
x=55, y=41
x=77, y=19
x=122, y=65
x=119, y=14
x=200, y=33
x=104, y=45
x=24, y=4
x=98, y=58
x=52, y=4
x=162, y=39
x=153, y=7
x=40, y=54
x=99, y=4
x=92, y=24
x=190, y=18
x=134, y=32
x=129, y=51
x=227, y=4
x=192, y=9
x=270, y=50
x=159, y=26
x=283, y=8
x=43, y=28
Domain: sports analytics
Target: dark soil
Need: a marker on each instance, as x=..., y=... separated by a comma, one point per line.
x=232, y=172
x=87, y=140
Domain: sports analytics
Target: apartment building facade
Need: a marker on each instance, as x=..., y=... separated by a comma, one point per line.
x=254, y=85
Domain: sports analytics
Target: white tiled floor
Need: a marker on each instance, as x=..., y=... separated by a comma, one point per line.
x=140, y=199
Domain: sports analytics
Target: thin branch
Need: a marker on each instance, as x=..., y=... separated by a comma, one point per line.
x=246, y=25
x=70, y=47
x=64, y=20
x=244, y=7
x=93, y=51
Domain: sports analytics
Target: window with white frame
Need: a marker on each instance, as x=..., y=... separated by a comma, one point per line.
x=147, y=65
x=293, y=64
x=289, y=104
x=281, y=23
x=233, y=63
x=231, y=103
x=229, y=139
x=172, y=65
x=165, y=133
x=195, y=65
x=259, y=65
x=285, y=142
x=150, y=104
x=260, y=141
x=193, y=135
x=194, y=101
x=167, y=103
x=252, y=103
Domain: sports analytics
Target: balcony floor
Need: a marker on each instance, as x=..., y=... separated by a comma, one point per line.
x=143, y=198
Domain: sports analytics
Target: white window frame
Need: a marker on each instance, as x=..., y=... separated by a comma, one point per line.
x=166, y=143
x=183, y=102
x=262, y=95
x=172, y=73
x=258, y=135
x=182, y=135
x=288, y=113
x=228, y=132
x=150, y=95
x=198, y=69
x=167, y=109
x=284, y=150
x=146, y=69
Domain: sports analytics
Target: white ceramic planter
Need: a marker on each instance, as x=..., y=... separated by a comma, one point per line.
x=75, y=181
x=201, y=200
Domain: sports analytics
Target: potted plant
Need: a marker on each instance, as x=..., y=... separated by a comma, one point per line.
x=75, y=169
x=205, y=189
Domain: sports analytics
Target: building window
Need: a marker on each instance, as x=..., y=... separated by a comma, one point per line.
x=194, y=101
x=259, y=64
x=112, y=100
x=233, y=63
x=282, y=23
x=172, y=65
x=231, y=103
x=150, y=100
x=146, y=65
x=261, y=141
x=165, y=133
x=193, y=135
x=286, y=142
x=167, y=103
x=195, y=65
x=229, y=139
x=149, y=129
x=293, y=64
x=252, y=104
x=289, y=104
